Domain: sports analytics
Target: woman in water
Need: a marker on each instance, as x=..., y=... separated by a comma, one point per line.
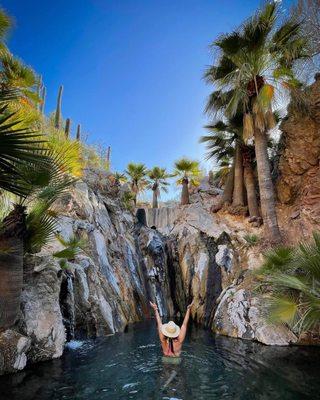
x=171, y=336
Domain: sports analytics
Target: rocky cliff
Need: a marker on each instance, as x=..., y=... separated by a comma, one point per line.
x=105, y=287
x=183, y=253
x=298, y=183
x=211, y=262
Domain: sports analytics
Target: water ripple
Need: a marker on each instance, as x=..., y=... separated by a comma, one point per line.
x=129, y=366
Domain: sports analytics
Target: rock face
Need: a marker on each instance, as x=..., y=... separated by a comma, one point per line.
x=105, y=287
x=41, y=315
x=124, y=263
x=210, y=263
x=298, y=183
x=239, y=314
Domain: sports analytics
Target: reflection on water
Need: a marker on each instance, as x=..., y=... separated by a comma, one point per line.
x=129, y=366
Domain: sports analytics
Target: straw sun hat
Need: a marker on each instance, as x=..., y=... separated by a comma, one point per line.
x=170, y=330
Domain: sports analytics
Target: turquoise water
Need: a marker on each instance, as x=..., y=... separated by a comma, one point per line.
x=129, y=366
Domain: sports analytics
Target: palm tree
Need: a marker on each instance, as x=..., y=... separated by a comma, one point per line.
x=290, y=280
x=255, y=63
x=248, y=155
x=5, y=25
x=220, y=147
x=120, y=177
x=18, y=147
x=228, y=142
x=137, y=173
x=158, y=177
x=13, y=229
x=225, y=141
x=37, y=176
x=188, y=172
x=29, y=226
x=15, y=74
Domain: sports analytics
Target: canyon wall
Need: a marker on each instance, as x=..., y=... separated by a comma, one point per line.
x=184, y=253
x=298, y=182
x=105, y=287
x=211, y=262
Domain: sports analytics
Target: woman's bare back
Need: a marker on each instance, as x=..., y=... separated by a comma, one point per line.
x=177, y=346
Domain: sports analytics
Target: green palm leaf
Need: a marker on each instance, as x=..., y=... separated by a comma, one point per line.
x=291, y=277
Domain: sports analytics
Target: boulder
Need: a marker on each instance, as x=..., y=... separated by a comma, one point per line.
x=41, y=313
x=240, y=315
x=13, y=349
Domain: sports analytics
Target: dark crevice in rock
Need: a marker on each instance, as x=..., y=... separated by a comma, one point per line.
x=175, y=282
x=66, y=299
x=136, y=234
x=214, y=280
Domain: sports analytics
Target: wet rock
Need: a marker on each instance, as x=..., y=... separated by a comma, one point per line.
x=13, y=349
x=239, y=315
x=41, y=313
x=154, y=261
x=192, y=254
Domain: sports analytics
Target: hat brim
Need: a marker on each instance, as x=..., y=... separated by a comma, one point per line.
x=170, y=334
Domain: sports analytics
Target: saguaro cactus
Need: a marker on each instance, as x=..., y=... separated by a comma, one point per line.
x=43, y=99
x=78, y=136
x=108, y=156
x=57, y=121
x=67, y=127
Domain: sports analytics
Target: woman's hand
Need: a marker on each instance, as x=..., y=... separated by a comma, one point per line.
x=154, y=306
x=190, y=305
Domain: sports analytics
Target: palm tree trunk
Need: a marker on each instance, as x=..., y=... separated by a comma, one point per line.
x=228, y=188
x=250, y=184
x=185, y=191
x=238, y=192
x=154, y=197
x=251, y=191
x=11, y=266
x=267, y=197
x=134, y=190
x=227, y=192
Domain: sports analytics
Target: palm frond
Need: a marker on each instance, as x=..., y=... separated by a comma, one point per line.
x=291, y=277
x=20, y=148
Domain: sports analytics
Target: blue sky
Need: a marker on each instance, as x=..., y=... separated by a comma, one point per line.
x=131, y=69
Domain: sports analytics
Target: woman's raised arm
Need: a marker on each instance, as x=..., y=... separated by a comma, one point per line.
x=158, y=319
x=184, y=326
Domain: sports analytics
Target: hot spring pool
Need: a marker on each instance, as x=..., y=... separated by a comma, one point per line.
x=129, y=366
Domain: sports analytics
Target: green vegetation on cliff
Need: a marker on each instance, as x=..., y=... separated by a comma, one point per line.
x=290, y=277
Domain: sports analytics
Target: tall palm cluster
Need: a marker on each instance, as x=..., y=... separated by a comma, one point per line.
x=36, y=168
x=236, y=160
x=255, y=66
x=156, y=179
x=290, y=281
